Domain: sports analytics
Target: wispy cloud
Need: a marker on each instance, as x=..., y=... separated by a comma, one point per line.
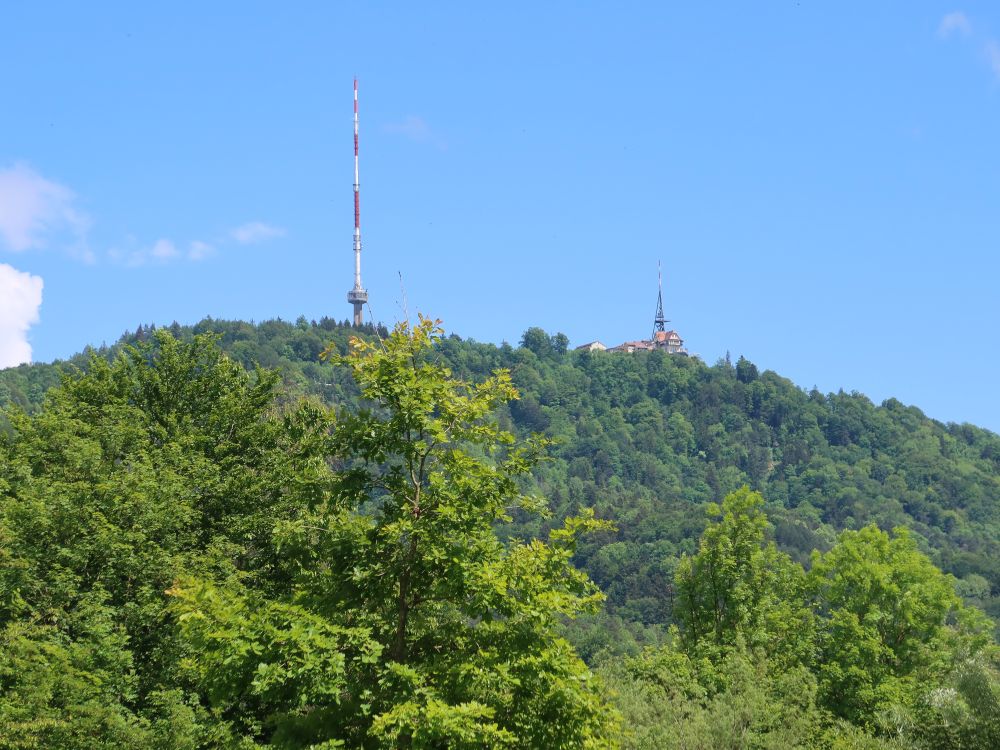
x=163, y=250
x=255, y=231
x=416, y=129
x=993, y=56
x=199, y=250
x=36, y=212
x=955, y=22
x=413, y=127
x=160, y=252
x=20, y=299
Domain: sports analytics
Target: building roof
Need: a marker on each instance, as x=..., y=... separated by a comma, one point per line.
x=633, y=345
x=664, y=335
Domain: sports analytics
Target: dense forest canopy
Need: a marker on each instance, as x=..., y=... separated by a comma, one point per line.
x=197, y=551
x=649, y=439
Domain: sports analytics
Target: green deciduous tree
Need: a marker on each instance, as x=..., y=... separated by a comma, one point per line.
x=739, y=590
x=537, y=340
x=670, y=701
x=170, y=459
x=885, y=610
x=408, y=623
x=871, y=648
x=746, y=371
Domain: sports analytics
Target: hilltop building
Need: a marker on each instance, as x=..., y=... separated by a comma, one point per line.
x=591, y=346
x=669, y=341
x=662, y=339
x=629, y=347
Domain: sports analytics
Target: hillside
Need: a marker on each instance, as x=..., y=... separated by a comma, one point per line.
x=648, y=440
x=197, y=553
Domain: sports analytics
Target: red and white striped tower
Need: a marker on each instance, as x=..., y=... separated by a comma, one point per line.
x=358, y=296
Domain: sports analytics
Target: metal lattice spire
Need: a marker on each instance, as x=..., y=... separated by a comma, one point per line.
x=659, y=320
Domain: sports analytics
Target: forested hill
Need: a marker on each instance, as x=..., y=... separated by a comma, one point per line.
x=648, y=439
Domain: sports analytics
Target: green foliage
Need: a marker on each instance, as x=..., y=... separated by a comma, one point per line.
x=166, y=461
x=964, y=713
x=823, y=463
x=872, y=640
x=885, y=609
x=670, y=701
x=737, y=590
x=746, y=371
x=330, y=599
x=407, y=621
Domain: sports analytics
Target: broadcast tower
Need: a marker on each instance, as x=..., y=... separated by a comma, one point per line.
x=358, y=296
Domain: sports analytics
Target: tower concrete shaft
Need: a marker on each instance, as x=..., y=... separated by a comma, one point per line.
x=358, y=296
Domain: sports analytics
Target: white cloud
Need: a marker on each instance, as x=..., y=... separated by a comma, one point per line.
x=255, y=231
x=955, y=22
x=993, y=56
x=20, y=298
x=84, y=254
x=131, y=259
x=413, y=127
x=199, y=250
x=164, y=250
x=35, y=211
x=161, y=251
x=416, y=129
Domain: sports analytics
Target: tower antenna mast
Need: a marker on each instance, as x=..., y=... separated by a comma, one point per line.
x=659, y=320
x=358, y=296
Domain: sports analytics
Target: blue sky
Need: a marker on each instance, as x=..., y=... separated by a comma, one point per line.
x=820, y=180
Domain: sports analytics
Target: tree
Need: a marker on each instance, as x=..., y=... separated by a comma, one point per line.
x=871, y=649
x=170, y=459
x=746, y=371
x=543, y=345
x=828, y=462
x=680, y=434
x=560, y=343
x=885, y=610
x=739, y=591
x=964, y=714
x=537, y=340
x=408, y=622
x=670, y=701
